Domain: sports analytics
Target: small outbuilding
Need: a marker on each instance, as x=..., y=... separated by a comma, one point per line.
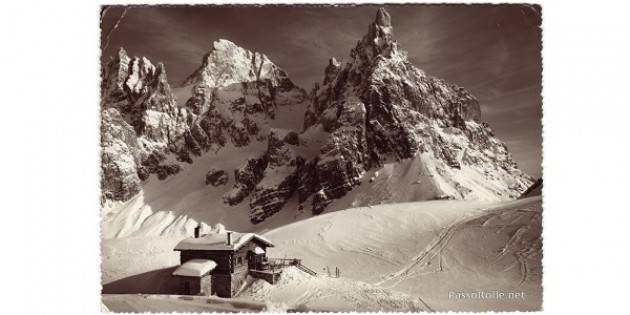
x=218, y=263
x=195, y=276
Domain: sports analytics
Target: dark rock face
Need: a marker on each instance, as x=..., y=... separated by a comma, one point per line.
x=331, y=70
x=280, y=180
x=119, y=158
x=143, y=173
x=307, y=182
x=217, y=177
x=342, y=159
x=534, y=190
x=246, y=177
x=267, y=201
x=163, y=171
x=292, y=138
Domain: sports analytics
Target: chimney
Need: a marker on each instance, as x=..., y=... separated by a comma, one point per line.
x=229, y=238
x=197, y=230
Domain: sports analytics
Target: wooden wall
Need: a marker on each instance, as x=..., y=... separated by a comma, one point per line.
x=221, y=285
x=195, y=285
x=230, y=273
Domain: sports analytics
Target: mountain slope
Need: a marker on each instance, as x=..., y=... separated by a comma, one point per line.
x=211, y=126
x=424, y=249
x=226, y=148
x=380, y=110
x=140, y=125
x=237, y=95
x=395, y=257
x=376, y=115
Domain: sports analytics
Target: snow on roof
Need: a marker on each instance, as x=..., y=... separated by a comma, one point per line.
x=218, y=241
x=258, y=250
x=195, y=268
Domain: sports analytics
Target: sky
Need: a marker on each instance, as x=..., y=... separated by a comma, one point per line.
x=494, y=51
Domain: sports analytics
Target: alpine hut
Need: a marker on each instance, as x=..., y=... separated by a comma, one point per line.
x=219, y=262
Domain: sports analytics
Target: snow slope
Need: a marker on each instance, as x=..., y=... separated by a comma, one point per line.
x=406, y=256
x=174, y=206
x=428, y=249
x=299, y=290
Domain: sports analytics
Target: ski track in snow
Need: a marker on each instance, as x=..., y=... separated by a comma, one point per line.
x=438, y=244
x=507, y=216
x=374, y=249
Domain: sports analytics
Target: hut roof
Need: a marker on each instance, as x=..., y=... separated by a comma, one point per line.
x=195, y=268
x=218, y=241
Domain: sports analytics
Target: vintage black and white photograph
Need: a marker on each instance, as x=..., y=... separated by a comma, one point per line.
x=325, y=158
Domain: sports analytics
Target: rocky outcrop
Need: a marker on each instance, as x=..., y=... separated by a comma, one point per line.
x=331, y=70
x=120, y=179
x=342, y=159
x=140, y=125
x=534, y=190
x=246, y=177
x=216, y=177
x=280, y=176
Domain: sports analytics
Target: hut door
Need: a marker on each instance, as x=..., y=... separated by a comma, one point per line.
x=253, y=261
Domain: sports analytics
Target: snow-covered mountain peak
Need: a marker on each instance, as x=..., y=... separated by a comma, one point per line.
x=379, y=41
x=227, y=63
x=236, y=95
x=382, y=112
x=223, y=44
x=376, y=121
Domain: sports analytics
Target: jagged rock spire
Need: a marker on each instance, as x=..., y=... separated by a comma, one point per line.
x=122, y=52
x=333, y=62
x=331, y=70
x=379, y=40
x=381, y=32
x=383, y=18
x=379, y=107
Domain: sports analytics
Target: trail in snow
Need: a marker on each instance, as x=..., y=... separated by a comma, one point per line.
x=428, y=249
x=393, y=257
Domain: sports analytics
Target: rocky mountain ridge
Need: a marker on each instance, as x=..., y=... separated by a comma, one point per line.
x=150, y=128
x=375, y=120
x=140, y=125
